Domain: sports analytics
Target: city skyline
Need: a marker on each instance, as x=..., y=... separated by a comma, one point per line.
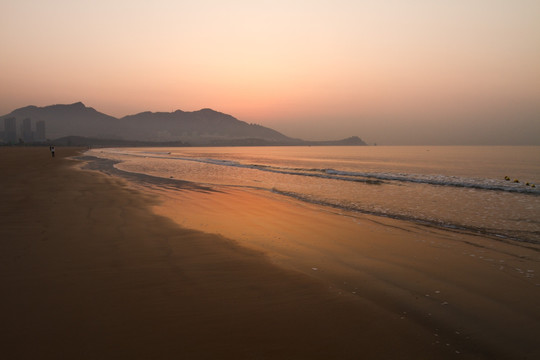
x=11, y=133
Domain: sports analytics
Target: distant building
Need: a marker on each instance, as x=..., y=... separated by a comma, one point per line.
x=26, y=130
x=10, y=130
x=40, y=131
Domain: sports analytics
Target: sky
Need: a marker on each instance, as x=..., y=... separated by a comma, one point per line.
x=393, y=72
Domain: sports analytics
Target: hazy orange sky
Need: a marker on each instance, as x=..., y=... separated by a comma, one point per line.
x=391, y=72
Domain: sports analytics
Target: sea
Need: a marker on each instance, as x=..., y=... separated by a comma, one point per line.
x=492, y=191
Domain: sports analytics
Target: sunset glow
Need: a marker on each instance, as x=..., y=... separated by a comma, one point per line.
x=388, y=71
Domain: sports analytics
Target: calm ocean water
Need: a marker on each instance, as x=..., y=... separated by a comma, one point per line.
x=452, y=187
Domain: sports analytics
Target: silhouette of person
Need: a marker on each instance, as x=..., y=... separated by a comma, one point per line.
x=52, y=150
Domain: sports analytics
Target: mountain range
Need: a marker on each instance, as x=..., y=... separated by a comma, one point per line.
x=79, y=124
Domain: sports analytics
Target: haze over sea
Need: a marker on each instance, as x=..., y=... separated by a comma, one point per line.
x=456, y=187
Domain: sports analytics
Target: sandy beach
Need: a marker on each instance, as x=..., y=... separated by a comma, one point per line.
x=95, y=267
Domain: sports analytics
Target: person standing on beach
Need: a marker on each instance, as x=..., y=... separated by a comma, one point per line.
x=52, y=150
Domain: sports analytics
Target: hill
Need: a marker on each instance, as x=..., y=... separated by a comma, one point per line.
x=205, y=127
x=65, y=120
x=201, y=126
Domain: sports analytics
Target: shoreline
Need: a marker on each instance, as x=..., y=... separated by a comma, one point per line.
x=461, y=213
x=460, y=286
x=261, y=221
x=91, y=271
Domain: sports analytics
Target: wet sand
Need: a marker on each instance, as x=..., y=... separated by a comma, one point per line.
x=92, y=266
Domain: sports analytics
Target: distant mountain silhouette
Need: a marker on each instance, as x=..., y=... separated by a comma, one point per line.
x=83, y=124
x=196, y=126
x=94, y=142
x=74, y=119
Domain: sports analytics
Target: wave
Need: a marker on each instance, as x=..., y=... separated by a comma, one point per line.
x=373, y=178
x=442, y=220
x=522, y=236
x=445, y=180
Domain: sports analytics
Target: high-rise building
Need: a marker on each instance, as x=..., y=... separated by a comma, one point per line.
x=40, y=131
x=26, y=130
x=10, y=130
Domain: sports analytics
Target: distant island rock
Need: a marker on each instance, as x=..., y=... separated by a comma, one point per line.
x=77, y=124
